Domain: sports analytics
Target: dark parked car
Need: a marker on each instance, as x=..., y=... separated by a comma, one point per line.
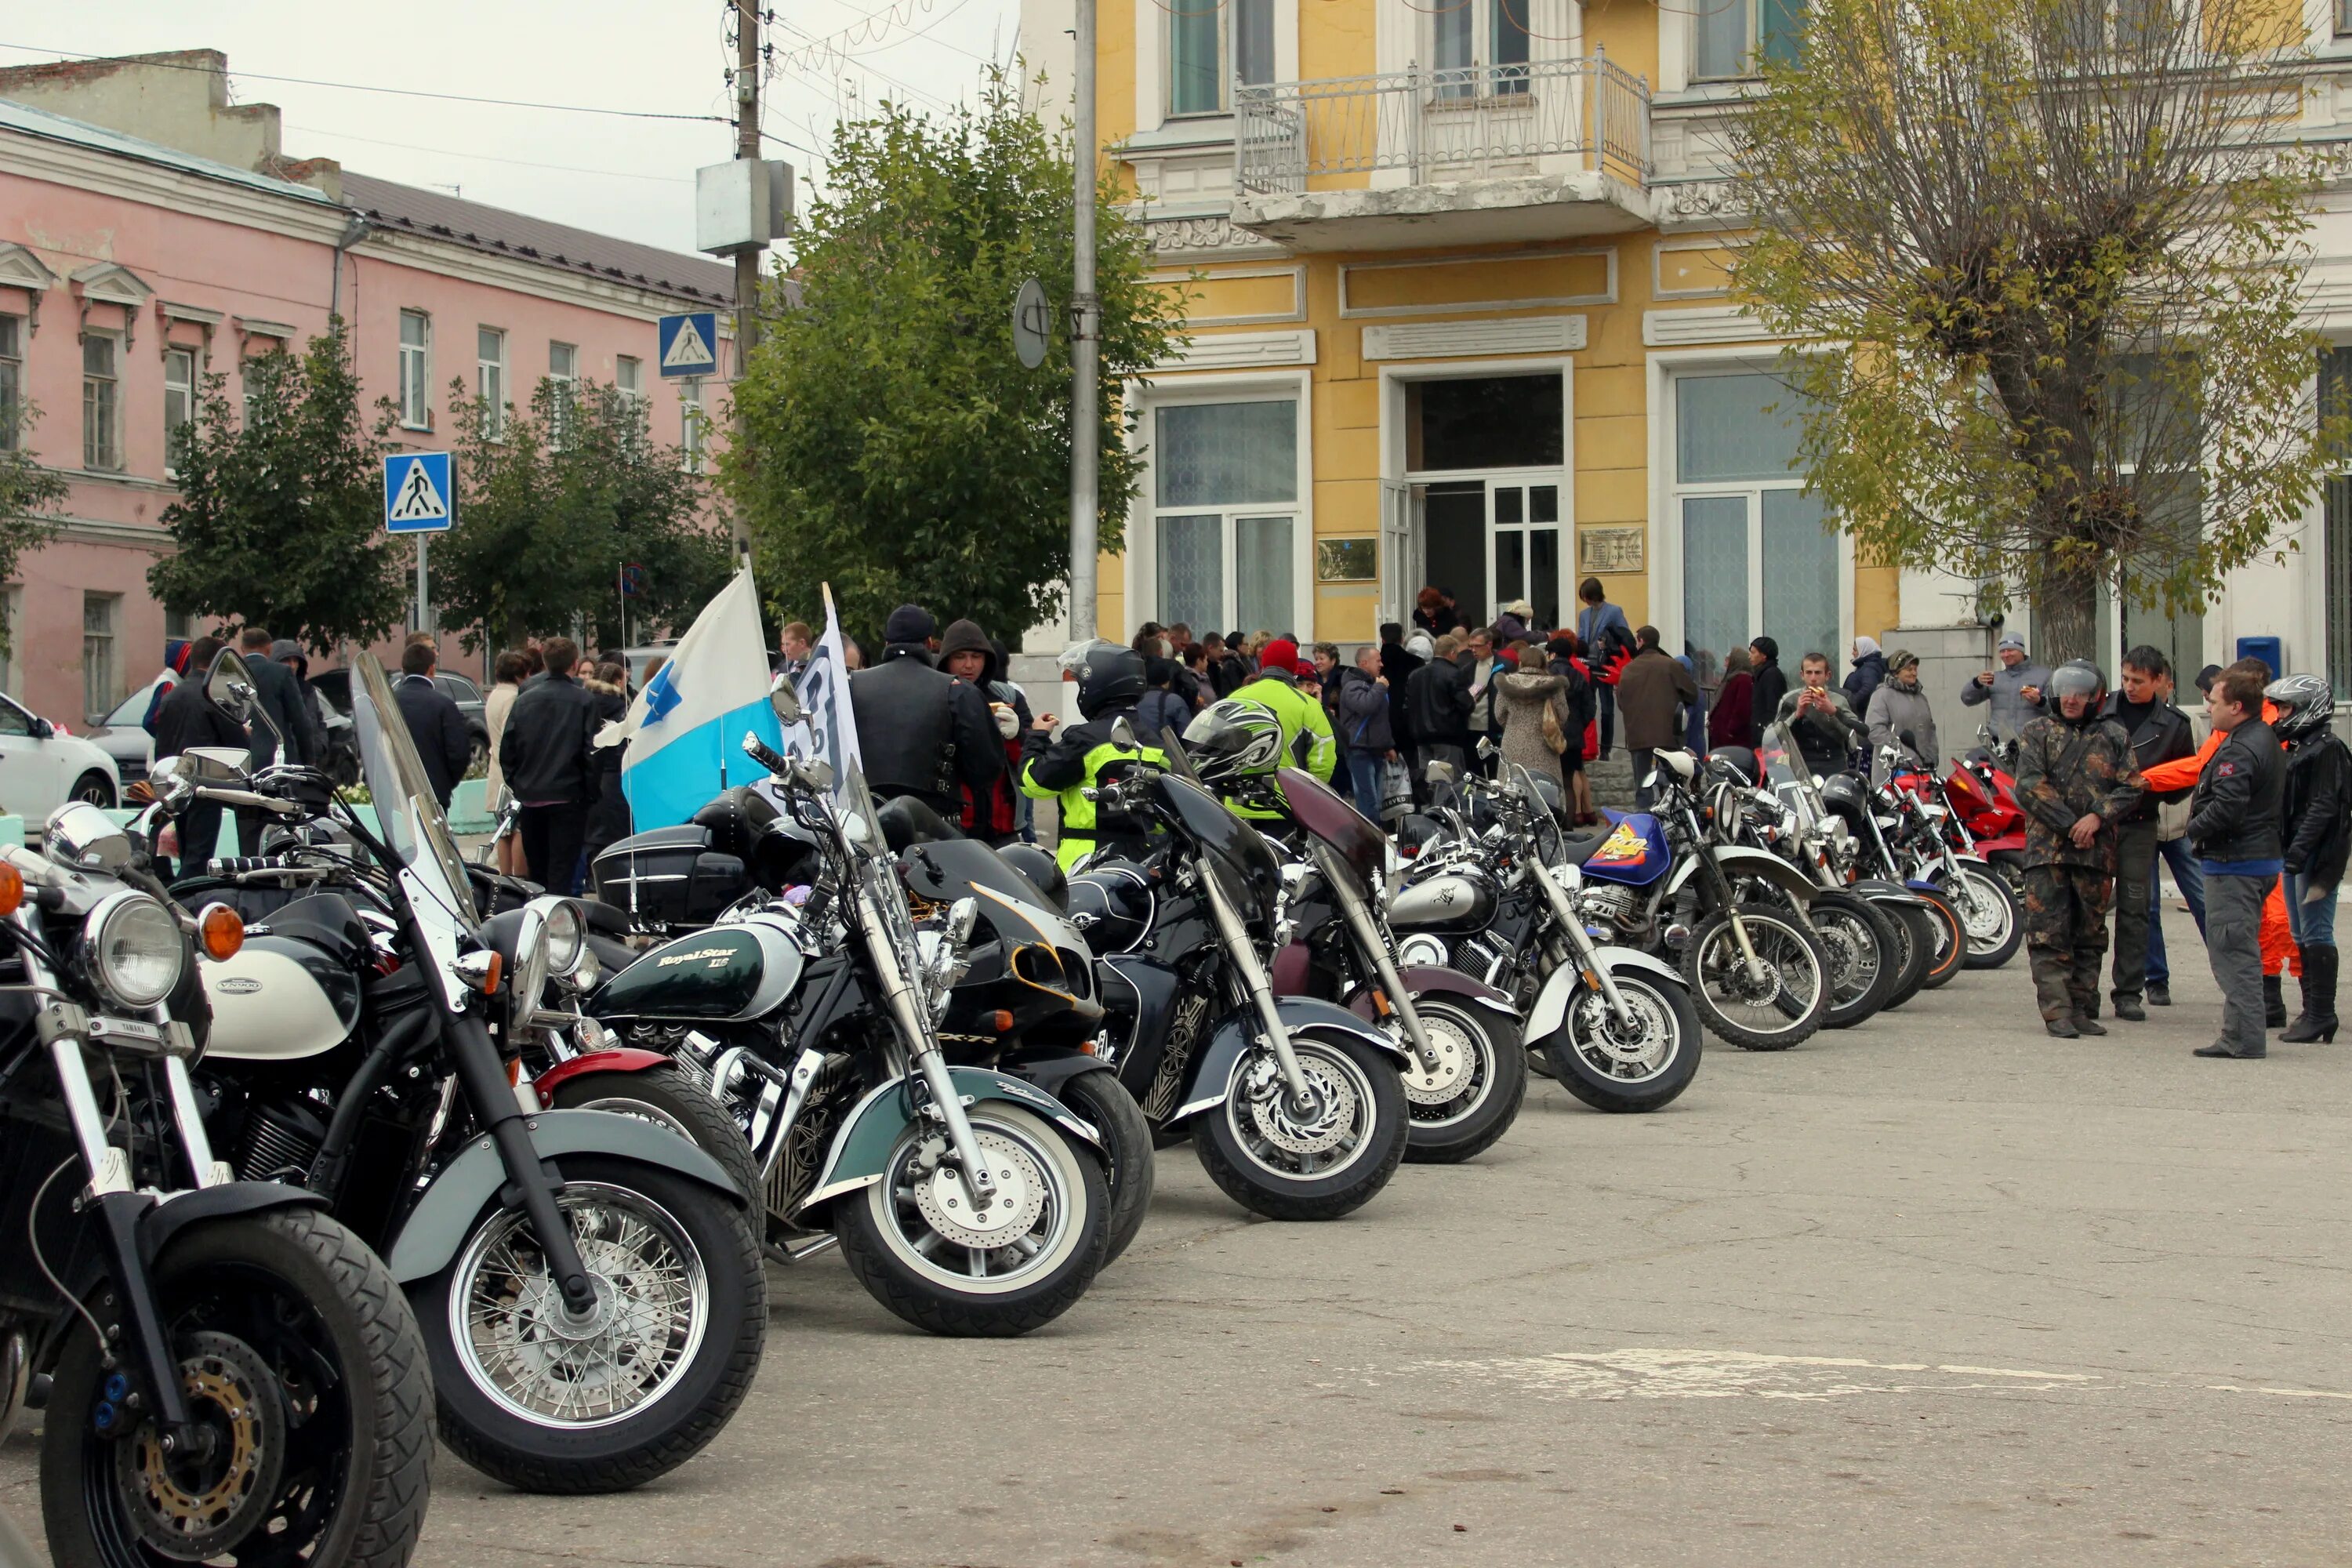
x=335, y=686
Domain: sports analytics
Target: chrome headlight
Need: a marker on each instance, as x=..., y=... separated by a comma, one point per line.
x=132, y=950
x=564, y=938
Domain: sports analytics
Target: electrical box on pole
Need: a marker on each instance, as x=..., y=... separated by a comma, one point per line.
x=742, y=204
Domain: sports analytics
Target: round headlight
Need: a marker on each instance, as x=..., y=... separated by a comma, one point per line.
x=564, y=938
x=134, y=950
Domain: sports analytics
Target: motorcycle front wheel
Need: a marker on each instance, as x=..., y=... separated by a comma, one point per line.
x=545, y=1403
x=1610, y=1067
x=1866, y=957
x=1102, y=1099
x=299, y=1354
x=1915, y=940
x=1780, y=1005
x=1988, y=911
x=1472, y=1099
x=1315, y=1161
x=915, y=1242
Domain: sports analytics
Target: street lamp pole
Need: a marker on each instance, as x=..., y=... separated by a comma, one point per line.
x=1086, y=332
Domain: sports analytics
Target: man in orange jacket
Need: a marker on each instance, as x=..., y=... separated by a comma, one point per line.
x=2279, y=951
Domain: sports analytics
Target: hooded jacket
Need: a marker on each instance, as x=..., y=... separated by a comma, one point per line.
x=1868, y=674
x=1892, y=710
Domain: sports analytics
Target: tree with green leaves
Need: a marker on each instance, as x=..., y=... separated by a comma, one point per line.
x=280, y=516
x=27, y=491
x=892, y=442
x=2042, y=260
x=554, y=502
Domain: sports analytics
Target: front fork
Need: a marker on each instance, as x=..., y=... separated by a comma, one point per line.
x=923, y=1046
x=1242, y=955
x=482, y=1077
x=1720, y=885
x=1563, y=914
x=1374, y=946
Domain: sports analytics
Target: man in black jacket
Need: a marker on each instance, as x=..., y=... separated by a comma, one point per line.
x=1771, y=685
x=1437, y=698
x=546, y=755
x=187, y=719
x=921, y=732
x=282, y=698
x=1398, y=664
x=433, y=719
x=2233, y=823
x=2319, y=840
x=2159, y=732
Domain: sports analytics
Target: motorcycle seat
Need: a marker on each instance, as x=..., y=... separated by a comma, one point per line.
x=1579, y=848
x=906, y=822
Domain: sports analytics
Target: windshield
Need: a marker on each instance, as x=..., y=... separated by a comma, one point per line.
x=407, y=813
x=1786, y=775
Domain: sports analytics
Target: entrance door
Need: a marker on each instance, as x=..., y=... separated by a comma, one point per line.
x=1454, y=535
x=1526, y=554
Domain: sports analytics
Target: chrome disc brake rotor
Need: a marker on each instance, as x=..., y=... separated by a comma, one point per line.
x=1609, y=1046
x=946, y=1204
x=1456, y=1059
x=1320, y=1124
x=193, y=1507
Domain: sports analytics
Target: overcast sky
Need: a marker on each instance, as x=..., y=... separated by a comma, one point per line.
x=622, y=176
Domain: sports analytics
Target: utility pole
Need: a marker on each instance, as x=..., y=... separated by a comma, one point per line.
x=1085, y=334
x=747, y=261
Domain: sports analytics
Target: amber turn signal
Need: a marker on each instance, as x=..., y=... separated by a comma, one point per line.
x=221, y=932
x=492, y=972
x=12, y=889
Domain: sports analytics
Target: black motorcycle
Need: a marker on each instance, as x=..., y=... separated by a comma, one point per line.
x=589, y=1292
x=230, y=1372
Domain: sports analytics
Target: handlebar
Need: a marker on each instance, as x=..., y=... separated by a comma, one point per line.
x=767, y=756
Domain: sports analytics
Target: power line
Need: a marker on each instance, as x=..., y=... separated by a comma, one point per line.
x=362, y=87
x=487, y=158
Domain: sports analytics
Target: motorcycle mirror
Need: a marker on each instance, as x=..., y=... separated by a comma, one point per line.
x=785, y=700
x=963, y=915
x=1486, y=747
x=229, y=685
x=222, y=765
x=1122, y=734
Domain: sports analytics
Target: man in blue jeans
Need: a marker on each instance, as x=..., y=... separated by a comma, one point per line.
x=2173, y=855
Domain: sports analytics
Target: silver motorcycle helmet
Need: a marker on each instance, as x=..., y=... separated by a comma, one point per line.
x=2075, y=678
x=2304, y=705
x=1231, y=738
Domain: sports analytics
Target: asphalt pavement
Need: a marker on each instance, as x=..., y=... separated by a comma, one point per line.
x=1933, y=1290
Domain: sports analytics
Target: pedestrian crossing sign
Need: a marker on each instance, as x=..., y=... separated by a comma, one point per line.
x=689, y=343
x=418, y=497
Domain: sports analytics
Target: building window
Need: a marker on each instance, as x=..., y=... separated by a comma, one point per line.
x=692, y=423
x=1730, y=39
x=629, y=375
x=99, y=690
x=2344, y=18
x=491, y=379
x=179, y=404
x=563, y=370
x=102, y=411
x=1756, y=560
x=1480, y=47
x=416, y=370
x=1225, y=494
x=1209, y=43
x=12, y=380
x=2335, y=387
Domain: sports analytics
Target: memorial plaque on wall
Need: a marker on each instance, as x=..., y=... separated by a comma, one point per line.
x=1611, y=552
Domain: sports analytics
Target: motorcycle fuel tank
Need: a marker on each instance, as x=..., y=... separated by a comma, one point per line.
x=278, y=1000
x=1635, y=853
x=726, y=973
x=1450, y=902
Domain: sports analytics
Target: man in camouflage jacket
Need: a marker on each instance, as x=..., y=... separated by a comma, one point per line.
x=2076, y=780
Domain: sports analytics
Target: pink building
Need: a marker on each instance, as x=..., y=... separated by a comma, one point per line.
x=130, y=268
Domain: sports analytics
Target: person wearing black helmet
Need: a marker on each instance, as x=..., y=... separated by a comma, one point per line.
x=2319, y=840
x=1110, y=683
x=2076, y=780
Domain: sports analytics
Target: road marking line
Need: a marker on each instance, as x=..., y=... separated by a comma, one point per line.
x=2281, y=1393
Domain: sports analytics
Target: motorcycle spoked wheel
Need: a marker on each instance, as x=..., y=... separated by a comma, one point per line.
x=1989, y=912
x=1915, y=935
x=1596, y=1061
x=1100, y=1098
x=1782, y=1008
x=669, y=1096
x=1866, y=957
x=909, y=1241
x=1319, y=1164
x=299, y=1355
x=1950, y=952
x=530, y=1398
x=1488, y=1054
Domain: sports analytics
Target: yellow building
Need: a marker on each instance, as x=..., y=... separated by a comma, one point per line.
x=1455, y=276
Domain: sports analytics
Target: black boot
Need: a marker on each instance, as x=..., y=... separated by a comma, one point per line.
x=2274, y=1004
x=2318, y=1019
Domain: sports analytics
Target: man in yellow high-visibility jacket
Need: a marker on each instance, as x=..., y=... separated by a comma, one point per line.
x=1306, y=739
x=1110, y=682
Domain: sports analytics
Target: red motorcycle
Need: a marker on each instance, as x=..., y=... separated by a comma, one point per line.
x=1986, y=819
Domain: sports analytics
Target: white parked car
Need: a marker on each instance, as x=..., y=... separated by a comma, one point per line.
x=124, y=736
x=42, y=767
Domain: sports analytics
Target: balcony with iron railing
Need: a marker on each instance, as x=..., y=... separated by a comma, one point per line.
x=1536, y=150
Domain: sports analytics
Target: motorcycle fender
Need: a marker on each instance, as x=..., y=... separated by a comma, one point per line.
x=1050, y=1070
x=1551, y=1010
x=1879, y=890
x=623, y=1058
x=861, y=1150
x=1220, y=1062
x=166, y=1219
x=1738, y=859
x=1423, y=978
x=441, y=1219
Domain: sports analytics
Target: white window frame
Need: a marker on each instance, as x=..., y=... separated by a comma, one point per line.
x=490, y=381
x=1142, y=587
x=1482, y=76
x=12, y=378
x=184, y=387
x=629, y=376
x=1750, y=49
x=99, y=694
x=693, y=427
x=566, y=381
x=1154, y=63
x=1666, y=541
x=107, y=456
x=416, y=372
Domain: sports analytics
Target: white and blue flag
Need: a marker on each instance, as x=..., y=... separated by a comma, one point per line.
x=685, y=729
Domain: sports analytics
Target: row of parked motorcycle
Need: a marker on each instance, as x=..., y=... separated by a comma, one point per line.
x=310, y=1153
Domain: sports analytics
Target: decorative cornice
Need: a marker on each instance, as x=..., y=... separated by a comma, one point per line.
x=1240, y=351
x=1171, y=236
x=1698, y=204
